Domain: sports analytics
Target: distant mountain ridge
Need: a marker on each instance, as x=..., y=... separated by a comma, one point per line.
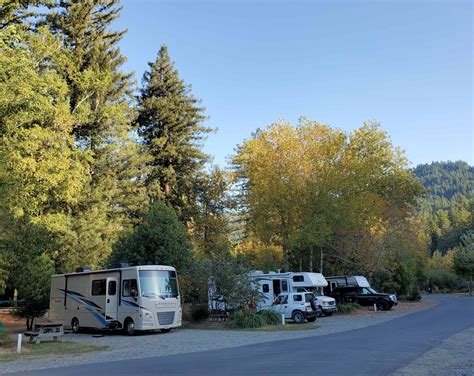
x=445, y=179
x=448, y=201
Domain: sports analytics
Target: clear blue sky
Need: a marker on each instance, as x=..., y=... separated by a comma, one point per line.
x=406, y=64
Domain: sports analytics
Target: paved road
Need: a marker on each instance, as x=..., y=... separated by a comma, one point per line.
x=375, y=350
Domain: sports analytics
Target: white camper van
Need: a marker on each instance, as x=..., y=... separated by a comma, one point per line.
x=129, y=298
x=272, y=284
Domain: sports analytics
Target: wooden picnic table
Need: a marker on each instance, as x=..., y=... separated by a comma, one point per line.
x=46, y=331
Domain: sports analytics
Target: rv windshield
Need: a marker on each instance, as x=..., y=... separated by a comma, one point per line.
x=158, y=284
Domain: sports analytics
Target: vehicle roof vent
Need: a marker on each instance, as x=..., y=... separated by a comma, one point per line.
x=82, y=269
x=120, y=265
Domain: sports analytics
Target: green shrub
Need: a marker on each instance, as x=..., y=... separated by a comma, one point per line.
x=442, y=279
x=390, y=287
x=199, y=313
x=270, y=318
x=347, y=307
x=414, y=293
x=4, y=338
x=245, y=319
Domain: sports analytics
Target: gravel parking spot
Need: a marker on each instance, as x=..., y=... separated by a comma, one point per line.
x=453, y=357
x=192, y=340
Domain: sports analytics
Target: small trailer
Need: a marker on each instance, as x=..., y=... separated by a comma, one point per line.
x=127, y=297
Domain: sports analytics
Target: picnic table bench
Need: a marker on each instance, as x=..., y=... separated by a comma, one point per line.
x=46, y=331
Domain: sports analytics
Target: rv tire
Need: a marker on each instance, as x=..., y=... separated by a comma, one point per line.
x=75, y=325
x=129, y=326
x=312, y=319
x=328, y=313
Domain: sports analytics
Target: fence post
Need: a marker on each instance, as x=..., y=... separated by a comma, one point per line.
x=18, y=343
x=375, y=307
x=283, y=322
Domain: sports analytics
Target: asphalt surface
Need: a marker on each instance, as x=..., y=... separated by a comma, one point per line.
x=375, y=350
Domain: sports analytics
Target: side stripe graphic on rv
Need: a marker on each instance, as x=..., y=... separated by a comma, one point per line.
x=78, y=298
x=131, y=304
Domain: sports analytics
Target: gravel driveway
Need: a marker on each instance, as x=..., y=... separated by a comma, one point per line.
x=191, y=340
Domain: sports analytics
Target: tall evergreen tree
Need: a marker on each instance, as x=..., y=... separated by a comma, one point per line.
x=100, y=99
x=16, y=12
x=171, y=126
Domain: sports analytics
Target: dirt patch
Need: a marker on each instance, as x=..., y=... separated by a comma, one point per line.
x=403, y=306
x=13, y=324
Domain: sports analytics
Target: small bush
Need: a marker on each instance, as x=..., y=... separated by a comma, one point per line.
x=390, y=287
x=414, y=293
x=245, y=319
x=4, y=338
x=347, y=307
x=270, y=318
x=199, y=313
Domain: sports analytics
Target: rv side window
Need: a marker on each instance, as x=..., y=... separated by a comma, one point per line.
x=284, y=286
x=265, y=288
x=128, y=285
x=112, y=287
x=98, y=287
x=298, y=278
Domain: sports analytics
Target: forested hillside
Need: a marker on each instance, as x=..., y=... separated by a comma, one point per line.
x=448, y=201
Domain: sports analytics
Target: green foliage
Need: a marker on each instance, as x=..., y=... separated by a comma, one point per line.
x=5, y=339
x=160, y=239
x=231, y=282
x=448, y=202
x=464, y=259
x=199, y=312
x=245, y=319
x=347, y=307
x=270, y=318
x=210, y=227
x=33, y=284
x=248, y=319
x=442, y=280
x=308, y=187
x=170, y=124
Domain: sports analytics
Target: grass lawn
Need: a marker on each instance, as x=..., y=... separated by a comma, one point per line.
x=47, y=349
x=210, y=325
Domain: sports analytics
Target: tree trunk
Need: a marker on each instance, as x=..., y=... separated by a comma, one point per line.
x=321, y=262
x=301, y=264
x=311, y=256
x=287, y=264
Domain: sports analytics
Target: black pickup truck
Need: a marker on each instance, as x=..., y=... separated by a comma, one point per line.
x=365, y=296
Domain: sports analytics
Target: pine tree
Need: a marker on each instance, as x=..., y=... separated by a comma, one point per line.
x=171, y=126
x=100, y=99
x=16, y=12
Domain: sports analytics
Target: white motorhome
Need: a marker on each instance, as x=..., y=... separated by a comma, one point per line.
x=129, y=298
x=272, y=284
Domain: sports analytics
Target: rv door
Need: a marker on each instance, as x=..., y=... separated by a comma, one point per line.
x=111, y=299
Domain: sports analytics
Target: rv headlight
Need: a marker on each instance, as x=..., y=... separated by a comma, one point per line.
x=325, y=302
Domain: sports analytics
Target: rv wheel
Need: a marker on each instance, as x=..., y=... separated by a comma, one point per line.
x=75, y=325
x=129, y=327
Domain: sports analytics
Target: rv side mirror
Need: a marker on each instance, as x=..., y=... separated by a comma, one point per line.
x=134, y=293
